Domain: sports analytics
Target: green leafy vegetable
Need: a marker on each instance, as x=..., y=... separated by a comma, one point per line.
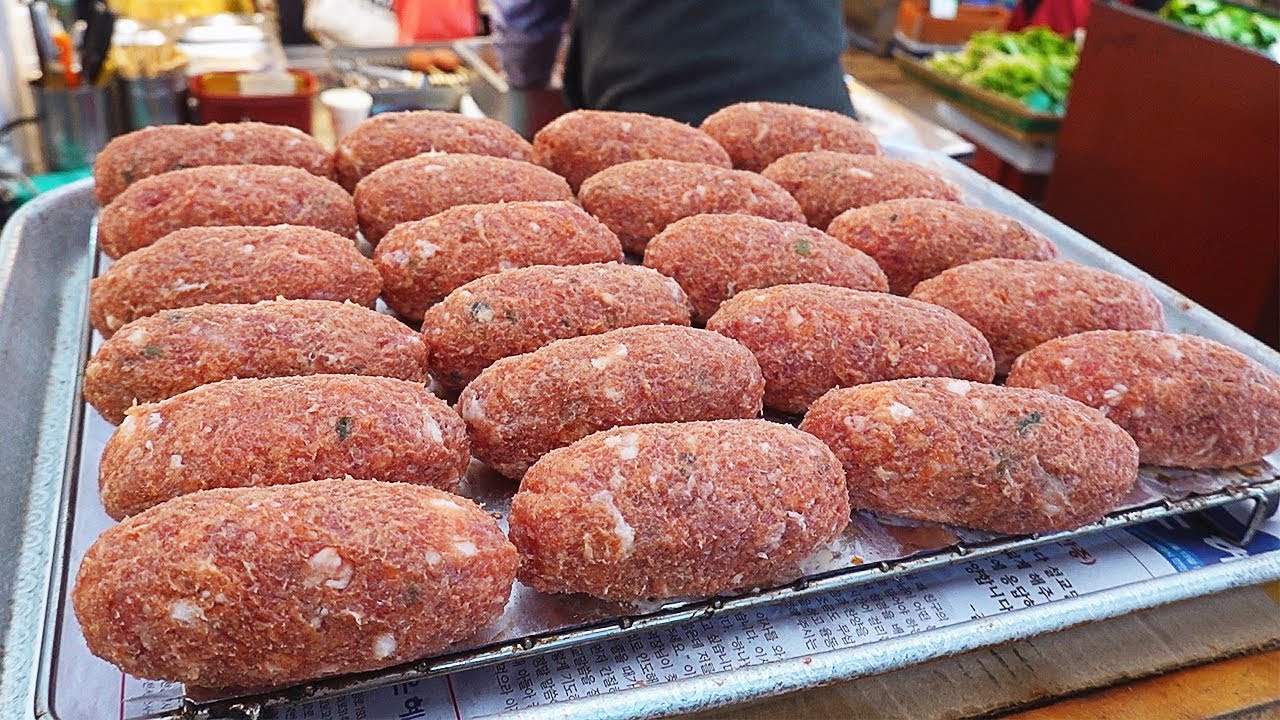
x=1033, y=66
x=803, y=247
x=1227, y=22
x=152, y=351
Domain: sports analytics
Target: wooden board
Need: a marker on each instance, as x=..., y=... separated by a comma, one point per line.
x=1113, y=654
x=1235, y=686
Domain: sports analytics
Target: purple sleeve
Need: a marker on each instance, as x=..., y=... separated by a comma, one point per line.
x=527, y=35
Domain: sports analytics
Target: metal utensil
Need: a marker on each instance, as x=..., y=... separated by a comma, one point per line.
x=46, y=49
x=379, y=75
x=99, y=26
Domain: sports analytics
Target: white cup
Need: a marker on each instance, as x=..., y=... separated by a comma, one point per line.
x=348, y=107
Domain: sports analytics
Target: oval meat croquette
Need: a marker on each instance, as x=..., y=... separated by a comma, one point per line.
x=757, y=133
x=423, y=261
x=164, y=148
x=522, y=407
x=161, y=355
x=1187, y=401
x=423, y=186
x=915, y=239
x=639, y=199
x=581, y=143
x=714, y=257
x=811, y=338
x=994, y=458
x=677, y=510
x=196, y=266
x=252, y=587
x=518, y=311
x=222, y=195
x=827, y=183
x=1019, y=304
x=387, y=137
x=275, y=431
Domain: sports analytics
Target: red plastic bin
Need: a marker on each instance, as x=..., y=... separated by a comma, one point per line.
x=219, y=100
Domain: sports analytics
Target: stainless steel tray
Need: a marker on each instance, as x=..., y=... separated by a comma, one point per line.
x=59, y=223
x=428, y=97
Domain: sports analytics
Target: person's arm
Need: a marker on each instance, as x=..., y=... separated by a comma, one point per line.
x=351, y=23
x=527, y=35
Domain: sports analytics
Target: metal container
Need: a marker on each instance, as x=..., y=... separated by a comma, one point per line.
x=76, y=124
x=870, y=24
x=53, y=446
x=339, y=68
x=159, y=100
x=525, y=110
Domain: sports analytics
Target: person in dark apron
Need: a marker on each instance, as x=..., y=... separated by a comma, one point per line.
x=682, y=59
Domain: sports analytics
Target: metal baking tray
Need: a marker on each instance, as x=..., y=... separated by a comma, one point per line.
x=329, y=64
x=49, y=237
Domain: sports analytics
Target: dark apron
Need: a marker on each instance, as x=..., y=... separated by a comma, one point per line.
x=685, y=59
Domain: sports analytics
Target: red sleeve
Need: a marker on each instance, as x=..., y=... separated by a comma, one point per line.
x=1063, y=16
x=426, y=20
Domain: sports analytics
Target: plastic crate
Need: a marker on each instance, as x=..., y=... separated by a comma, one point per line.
x=995, y=109
x=218, y=100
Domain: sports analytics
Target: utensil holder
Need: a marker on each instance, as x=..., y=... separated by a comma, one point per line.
x=76, y=124
x=160, y=100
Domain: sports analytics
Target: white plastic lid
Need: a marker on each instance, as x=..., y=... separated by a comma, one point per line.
x=347, y=99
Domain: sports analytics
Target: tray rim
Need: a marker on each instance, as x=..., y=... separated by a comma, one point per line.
x=21, y=675
x=1252, y=570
